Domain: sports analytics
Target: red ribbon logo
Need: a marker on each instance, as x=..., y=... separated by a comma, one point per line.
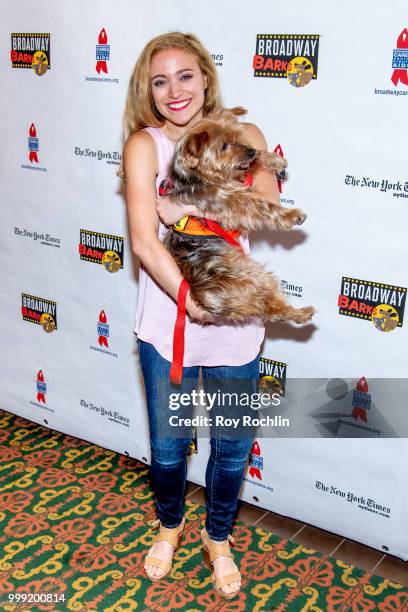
x=401, y=74
x=103, y=341
x=33, y=144
x=101, y=63
x=358, y=412
x=281, y=175
x=254, y=471
x=40, y=387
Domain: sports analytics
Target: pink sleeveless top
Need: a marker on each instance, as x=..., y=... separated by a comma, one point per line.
x=205, y=345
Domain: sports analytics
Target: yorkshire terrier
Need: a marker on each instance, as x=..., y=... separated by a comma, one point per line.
x=210, y=169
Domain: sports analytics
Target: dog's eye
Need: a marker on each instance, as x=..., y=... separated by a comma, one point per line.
x=225, y=146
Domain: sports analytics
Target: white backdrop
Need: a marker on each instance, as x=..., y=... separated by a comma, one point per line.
x=344, y=135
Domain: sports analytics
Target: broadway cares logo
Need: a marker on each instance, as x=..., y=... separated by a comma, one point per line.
x=364, y=503
x=400, y=67
x=398, y=189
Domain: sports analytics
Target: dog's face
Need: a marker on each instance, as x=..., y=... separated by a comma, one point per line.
x=214, y=150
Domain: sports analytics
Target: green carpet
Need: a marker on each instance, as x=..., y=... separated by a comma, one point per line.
x=74, y=523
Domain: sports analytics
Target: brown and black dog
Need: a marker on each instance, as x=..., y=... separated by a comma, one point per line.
x=210, y=170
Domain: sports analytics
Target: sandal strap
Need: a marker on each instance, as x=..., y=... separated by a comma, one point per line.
x=217, y=549
x=168, y=535
x=227, y=579
x=160, y=563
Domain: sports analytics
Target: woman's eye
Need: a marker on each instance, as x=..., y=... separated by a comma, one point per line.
x=225, y=146
x=185, y=77
x=158, y=83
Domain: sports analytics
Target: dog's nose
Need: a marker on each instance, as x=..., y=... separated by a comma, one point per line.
x=251, y=153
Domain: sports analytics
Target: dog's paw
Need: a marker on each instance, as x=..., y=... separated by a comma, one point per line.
x=289, y=218
x=303, y=315
x=299, y=216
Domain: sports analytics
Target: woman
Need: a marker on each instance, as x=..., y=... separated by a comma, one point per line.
x=173, y=86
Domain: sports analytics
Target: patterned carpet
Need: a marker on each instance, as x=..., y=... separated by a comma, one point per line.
x=74, y=523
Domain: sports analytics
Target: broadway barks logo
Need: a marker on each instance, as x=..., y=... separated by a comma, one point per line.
x=272, y=376
x=31, y=51
x=40, y=311
x=381, y=304
x=287, y=56
x=104, y=249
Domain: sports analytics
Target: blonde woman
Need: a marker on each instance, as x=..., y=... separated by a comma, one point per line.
x=173, y=86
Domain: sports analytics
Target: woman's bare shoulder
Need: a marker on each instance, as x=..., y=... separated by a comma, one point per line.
x=140, y=147
x=254, y=135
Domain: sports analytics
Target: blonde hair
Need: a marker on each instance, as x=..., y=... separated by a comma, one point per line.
x=140, y=110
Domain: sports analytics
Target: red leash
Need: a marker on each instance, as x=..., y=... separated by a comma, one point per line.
x=176, y=370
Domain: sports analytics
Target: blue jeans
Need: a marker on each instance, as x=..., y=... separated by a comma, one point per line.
x=226, y=464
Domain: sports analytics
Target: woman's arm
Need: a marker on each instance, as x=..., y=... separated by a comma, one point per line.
x=140, y=167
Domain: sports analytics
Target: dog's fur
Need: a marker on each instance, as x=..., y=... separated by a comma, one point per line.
x=208, y=168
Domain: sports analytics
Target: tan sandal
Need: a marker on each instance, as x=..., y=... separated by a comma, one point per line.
x=173, y=537
x=215, y=550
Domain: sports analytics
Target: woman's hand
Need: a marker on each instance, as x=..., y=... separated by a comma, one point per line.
x=170, y=212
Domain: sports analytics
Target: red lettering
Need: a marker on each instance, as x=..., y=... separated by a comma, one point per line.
x=284, y=66
x=343, y=301
x=353, y=305
x=278, y=65
x=257, y=62
x=13, y=55
x=33, y=315
x=82, y=249
x=268, y=64
x=94, y=253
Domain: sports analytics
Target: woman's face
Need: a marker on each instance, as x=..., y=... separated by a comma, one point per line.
x=178, y=86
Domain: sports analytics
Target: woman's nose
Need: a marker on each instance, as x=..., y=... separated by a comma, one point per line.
x=174, y=89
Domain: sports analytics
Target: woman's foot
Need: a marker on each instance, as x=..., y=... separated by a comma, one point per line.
x=163, y=551
x=222, y=567
x=160, y=556
x=226, y=576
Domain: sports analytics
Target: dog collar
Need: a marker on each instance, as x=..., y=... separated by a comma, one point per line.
x=249, y=179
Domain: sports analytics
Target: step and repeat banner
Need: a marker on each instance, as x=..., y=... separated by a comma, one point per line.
x=329, y=89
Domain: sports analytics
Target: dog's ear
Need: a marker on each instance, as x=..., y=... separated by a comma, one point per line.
x=195, y=145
